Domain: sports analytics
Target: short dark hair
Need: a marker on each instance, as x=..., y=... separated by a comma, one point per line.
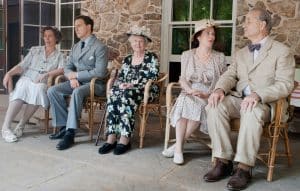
x=264, y=15
x=56, y=32
x=195, y=42
x=87, y=20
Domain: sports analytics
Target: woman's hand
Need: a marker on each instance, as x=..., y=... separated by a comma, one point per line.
x=201, y=94
x=41, y=78
x=7, y=82
x=124, y=86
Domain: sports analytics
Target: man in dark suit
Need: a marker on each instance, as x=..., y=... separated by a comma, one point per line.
x=88, y=59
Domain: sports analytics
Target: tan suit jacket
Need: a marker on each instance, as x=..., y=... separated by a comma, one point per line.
x=271, y=75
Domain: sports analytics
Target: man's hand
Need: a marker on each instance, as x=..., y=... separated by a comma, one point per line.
x=72, y=75
x=250, y=102
x=216, y=97
x=74, y=83
x=124, y=86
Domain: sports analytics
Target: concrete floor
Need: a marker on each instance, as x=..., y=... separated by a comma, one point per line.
x=34, y=164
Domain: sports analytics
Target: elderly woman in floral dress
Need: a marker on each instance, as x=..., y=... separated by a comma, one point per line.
x=30, y=90
x=127, y=92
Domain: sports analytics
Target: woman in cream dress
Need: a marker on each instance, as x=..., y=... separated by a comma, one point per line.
x=39, y=63
x=201, y=67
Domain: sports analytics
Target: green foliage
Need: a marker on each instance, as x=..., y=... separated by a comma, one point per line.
x=222, y=10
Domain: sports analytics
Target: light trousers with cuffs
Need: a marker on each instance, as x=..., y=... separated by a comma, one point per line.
x=249, y=135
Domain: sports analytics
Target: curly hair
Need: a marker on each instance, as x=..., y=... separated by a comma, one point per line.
x=56, y=32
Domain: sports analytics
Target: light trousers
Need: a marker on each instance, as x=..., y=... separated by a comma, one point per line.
x=249, y=135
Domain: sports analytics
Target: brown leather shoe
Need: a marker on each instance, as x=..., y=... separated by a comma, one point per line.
x=239, y=180
x=220, y=171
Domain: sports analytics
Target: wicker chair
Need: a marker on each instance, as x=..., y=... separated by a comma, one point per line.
x=273, y=131
x=155, y=106
x=91, y=103
x=50, y=83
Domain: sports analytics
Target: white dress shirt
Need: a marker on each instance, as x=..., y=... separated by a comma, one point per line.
x=247, y=90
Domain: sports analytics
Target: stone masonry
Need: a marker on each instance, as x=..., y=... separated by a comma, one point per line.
x=114, y=17
x=286, y=21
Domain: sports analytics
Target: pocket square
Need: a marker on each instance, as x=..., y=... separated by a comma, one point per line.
x=91, y=58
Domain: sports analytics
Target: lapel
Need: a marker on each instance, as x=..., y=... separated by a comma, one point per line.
x=263, y=53
x=87, y=47
x=248, y=58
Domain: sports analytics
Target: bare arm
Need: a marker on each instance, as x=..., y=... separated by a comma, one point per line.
x=7, y=80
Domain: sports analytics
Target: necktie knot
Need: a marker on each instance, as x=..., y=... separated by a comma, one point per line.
x=82, y=44
x=253, y=47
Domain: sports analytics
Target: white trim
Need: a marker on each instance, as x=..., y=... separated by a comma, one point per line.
x=165, y=37
x=166, y=32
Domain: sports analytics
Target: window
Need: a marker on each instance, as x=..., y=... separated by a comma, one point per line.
x=36, y=15
x=179, y=17
x=69, y=9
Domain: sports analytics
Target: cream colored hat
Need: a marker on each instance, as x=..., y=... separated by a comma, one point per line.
x=203, y=24
x=140, y=31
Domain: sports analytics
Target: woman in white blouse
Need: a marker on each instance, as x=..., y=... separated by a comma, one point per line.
x=40, y=62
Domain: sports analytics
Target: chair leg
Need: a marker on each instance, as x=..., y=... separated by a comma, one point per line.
x=160, y=118
x=272, y=154
x=143, y=126
x=287, y=147
x=46, y=120
x=100, y=127
x=91, y=122
x=167, y=133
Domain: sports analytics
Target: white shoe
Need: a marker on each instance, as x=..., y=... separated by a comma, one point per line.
x=169, y=152
x=18, y=131
x=8, y=136
x=178, y=158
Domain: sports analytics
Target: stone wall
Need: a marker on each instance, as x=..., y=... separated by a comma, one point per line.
x=286, y=21
x=113, y=19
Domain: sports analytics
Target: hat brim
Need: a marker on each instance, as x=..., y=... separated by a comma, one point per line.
x=146, y=37
x=214, y=26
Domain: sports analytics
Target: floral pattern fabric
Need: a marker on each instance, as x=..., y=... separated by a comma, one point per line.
x=122, y=104
x=202, y=77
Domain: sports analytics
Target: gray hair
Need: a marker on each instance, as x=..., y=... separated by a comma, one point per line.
x=264, y=15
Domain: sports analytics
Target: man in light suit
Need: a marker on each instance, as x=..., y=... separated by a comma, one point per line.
x=88, y=59
x=261, y=73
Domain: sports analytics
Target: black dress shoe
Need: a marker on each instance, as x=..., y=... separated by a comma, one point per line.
x=107, y=147
x=239, y=180
x=66, y=142
x=219, y=171
x=59, y=134
x=121, y=148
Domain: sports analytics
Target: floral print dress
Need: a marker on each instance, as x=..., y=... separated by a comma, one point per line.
x=201, y=76
x=122, y=104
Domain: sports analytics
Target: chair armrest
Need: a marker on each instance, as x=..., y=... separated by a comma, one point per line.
x=92, y=85
x=60, y=79
x=169, y=98
x=50, y=80
x=279, y=111
x=147, y=91
x=109, y=84
x=159, y=82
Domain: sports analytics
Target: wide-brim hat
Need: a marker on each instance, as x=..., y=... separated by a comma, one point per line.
x=203, y=24
x=140, y=31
